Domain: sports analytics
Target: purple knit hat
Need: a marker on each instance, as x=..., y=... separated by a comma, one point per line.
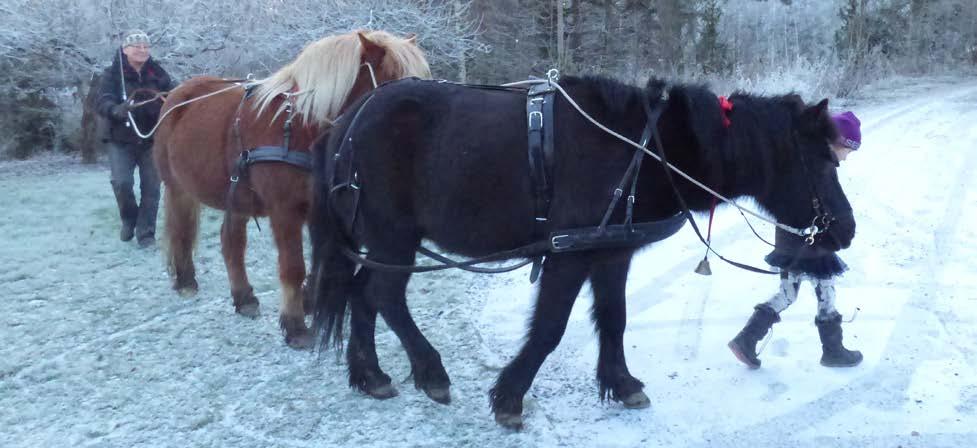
x=849, y=130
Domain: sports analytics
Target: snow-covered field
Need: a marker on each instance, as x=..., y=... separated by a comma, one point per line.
x=96, y=350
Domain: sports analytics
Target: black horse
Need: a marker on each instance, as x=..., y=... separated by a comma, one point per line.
x=448, y=163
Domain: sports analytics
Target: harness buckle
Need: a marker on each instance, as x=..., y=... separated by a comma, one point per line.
x=535, y=114
x=555, y=242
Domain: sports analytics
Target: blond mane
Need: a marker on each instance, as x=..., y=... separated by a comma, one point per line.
x=325, y=71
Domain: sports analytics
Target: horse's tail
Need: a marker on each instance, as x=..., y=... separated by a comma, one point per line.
x=332, y=273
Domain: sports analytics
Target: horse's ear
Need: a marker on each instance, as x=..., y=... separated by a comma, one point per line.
x=368, y=45
x=371, y=50
x=365, y=41
x=411, y=38
x=817, y=120
x=818, y=111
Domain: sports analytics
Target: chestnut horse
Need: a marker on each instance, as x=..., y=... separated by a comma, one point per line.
x=198, y=145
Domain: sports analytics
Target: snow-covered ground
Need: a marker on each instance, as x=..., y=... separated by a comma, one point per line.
x=96, y=350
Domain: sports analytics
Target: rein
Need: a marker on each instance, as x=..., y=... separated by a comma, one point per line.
x=152, y=131
x=244, y=83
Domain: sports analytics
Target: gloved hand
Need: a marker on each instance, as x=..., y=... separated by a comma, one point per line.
x=120, y=111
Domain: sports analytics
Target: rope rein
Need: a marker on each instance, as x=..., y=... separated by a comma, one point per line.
x=234, y=84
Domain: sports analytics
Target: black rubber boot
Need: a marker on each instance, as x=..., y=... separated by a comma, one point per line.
x=744, y=344
x=834, y=353
x=127, y=232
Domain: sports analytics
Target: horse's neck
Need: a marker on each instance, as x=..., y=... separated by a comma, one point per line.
x=731, y=166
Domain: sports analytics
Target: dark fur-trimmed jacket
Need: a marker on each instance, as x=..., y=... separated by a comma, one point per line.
x=792, y=254
x=151, y=76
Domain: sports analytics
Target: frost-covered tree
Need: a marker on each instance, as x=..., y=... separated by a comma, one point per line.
x=56, y=45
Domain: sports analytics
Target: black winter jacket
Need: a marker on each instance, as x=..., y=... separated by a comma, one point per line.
x=151, y=76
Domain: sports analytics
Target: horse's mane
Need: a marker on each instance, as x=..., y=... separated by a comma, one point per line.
x=325, y=71
x=763, y=123
x=403, y=58
x=760, y=123
x=615, y=99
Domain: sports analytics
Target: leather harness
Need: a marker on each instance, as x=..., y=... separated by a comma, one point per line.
x=541, y=158
x=263, y=154
x=539, y=112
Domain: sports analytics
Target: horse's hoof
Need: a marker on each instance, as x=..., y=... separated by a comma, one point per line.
x=637, y=400
x=439, y=394
x=250, y=310
x=510, y=421
x=383, y=392
x=186, y=288
x=302, y=341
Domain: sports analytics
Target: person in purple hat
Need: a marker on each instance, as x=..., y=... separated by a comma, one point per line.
x=798, y=261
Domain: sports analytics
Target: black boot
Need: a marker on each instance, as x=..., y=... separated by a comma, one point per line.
x=744, y=344
x=128, y=210
x=127, y=232
x=835, y=354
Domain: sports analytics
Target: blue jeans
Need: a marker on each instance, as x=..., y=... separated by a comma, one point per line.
x=124, y=159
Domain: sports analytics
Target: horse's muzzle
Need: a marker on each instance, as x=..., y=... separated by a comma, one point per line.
x=840, y=233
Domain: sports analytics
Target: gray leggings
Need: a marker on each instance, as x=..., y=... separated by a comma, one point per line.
x=790, y=283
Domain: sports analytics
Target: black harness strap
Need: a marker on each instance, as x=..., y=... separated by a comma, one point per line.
x=627, y=234
x=539, y=112
x=298, y=159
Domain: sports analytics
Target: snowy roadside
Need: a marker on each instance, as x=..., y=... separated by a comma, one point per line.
x=98, y=351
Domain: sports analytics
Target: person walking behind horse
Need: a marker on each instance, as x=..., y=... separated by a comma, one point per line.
x=798, y=261
x=133, y=68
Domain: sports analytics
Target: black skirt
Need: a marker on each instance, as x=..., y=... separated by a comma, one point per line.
x=823, y=267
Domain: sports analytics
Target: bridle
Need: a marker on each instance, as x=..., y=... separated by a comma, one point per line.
x=823, y=217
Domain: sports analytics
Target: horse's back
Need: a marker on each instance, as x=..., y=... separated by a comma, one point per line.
x=191, y=145
x=444, y=157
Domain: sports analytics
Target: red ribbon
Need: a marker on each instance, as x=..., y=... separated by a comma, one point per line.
x=726, y=107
